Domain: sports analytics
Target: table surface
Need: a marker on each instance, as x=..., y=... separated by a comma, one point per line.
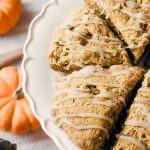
x=34, y=140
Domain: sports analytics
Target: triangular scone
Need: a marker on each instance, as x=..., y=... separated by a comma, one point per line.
x=88, y=102
x=85, y=39
x=131, y=18
x=136, y=132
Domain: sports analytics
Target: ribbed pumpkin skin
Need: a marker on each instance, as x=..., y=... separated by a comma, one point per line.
x=10, y=12
x=15, y=115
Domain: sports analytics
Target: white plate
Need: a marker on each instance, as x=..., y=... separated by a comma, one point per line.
x=37, y=83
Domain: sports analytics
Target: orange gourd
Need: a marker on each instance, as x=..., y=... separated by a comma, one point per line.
x=15, y=113
x=10, y=12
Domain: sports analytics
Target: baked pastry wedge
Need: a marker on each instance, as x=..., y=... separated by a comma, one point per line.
x=87, y=103
x=136, y=132
x=85, y=39
x=130, y=18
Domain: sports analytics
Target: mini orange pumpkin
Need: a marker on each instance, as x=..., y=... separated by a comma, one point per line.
x=15, y=113
x=10, y=12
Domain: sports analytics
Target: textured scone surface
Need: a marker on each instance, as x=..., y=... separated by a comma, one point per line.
x=136, y=133
x=85, y=39
x=88, y=102
x=130, y=18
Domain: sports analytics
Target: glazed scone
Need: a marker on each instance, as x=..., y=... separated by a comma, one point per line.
x=131, y=19
x=136, y=132
x=87, y=103
x=85, y=39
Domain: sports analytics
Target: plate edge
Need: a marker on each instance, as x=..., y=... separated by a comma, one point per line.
x=24, y=71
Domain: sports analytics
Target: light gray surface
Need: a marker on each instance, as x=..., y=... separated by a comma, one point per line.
x=16, y=38
x=32, y=141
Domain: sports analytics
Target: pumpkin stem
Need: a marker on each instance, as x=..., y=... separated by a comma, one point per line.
x=18, y=94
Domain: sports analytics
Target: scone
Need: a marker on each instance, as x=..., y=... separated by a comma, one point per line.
x=85, y=39
x=88, y=103
x=131, y=18
x=136, y=132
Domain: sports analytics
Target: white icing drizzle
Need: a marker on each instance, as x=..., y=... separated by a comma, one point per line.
x=74, y=33
x=131, y=4
x=140, y=15
x=108, y=103
x=76, y=96
x=66, y=121
x=134, y=141
x=94, y=102
x=101, y=51
x=105, y=42
x=86, y=115
x=54, y=106
x=109, y=38
x=147, y=74
x=86, y=71
x=76, y=51
x=140, y=38
x=138, y=123
x=105, y=74
x=84, y=20
x=145, y=5
x=144, y=109
x=70, y=43
x=71, y=91
x=111, y=41
x=132, y=28
x=134, y=46
x=81, y=93
x=146, y=112
x=115, y=7
x=90, y=71
x=142, y=99
x=78, y=32
x=145, y=89
x=111, y=96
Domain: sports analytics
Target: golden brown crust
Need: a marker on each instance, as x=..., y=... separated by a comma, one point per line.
x=142, y=134
x=85, y=39
x=127, y=21
x=98, y=91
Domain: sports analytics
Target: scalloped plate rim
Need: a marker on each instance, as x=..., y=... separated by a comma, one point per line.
x=24, y=72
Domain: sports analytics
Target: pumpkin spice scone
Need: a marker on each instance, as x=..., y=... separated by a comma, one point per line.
x=136, y=132
x=85, y=39
x=87, y=104
x=130, y=18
